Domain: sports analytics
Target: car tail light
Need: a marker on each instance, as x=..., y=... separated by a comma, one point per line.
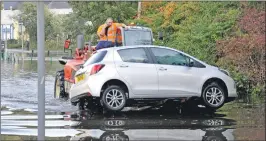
x=96, y=68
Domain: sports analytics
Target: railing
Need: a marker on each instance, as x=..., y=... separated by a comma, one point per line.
x=18, y=55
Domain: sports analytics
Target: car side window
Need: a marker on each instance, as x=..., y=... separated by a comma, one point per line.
x=169, y=57
x=134, y=55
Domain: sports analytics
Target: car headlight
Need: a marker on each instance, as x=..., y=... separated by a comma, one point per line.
x=225, y=72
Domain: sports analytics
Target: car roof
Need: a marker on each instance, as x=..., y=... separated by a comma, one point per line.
x=150, y=46
x=137, y=46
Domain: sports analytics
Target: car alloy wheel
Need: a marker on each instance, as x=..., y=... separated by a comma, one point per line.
x=114, y=98
x=214, y=96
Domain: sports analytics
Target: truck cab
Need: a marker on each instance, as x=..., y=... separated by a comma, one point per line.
x=136, y=35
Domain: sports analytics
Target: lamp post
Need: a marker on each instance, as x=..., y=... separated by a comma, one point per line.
x=139, y=9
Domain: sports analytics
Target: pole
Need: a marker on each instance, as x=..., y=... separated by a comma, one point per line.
x=57, y=40
x=6, y=43
x=0, y=59
x=22, y=39
x=139, y=9
x=41, y=70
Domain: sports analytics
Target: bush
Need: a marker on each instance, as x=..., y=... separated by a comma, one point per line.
x=14, y=46
x=12, y=41
x=247, y=89
x=52, y=45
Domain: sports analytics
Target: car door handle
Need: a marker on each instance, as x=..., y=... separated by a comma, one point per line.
x=163, y=69
x=123, y=66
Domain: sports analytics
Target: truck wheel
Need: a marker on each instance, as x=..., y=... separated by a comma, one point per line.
x=114, y=98
x=59, y=86
x=213, y=96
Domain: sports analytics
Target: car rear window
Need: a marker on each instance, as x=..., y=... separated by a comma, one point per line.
x=96, y=58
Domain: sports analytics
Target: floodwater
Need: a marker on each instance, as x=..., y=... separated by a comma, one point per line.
x=64, y=122
x=19, y=86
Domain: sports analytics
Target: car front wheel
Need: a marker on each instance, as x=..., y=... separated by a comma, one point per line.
x=213, y=96
x=114, y=98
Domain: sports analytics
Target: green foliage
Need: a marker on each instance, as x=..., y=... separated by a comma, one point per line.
x=12, y=41
x=28, y=17
x=193, y=27
x=14, y=46
x=98, y=12
x=54, y=24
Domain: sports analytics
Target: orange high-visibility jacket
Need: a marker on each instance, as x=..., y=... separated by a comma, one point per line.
x=102, y=37
x=112, y=33
x=119, y=36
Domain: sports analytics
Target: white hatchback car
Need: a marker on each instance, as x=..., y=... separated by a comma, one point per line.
x=120, y=76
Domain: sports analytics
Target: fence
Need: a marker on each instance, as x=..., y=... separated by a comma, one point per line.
x=17, y=55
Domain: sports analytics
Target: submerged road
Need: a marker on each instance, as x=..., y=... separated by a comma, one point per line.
x=19, y=86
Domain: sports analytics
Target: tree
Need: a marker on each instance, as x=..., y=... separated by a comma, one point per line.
x=247, y=50
x=98, y=12
x=28, y=16
x=193, y=27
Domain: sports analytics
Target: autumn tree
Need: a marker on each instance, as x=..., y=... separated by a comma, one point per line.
x=247, y=51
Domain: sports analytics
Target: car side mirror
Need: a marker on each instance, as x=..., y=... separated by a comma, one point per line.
x=191, y=63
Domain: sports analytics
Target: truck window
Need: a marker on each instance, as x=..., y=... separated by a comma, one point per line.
x=137, y=37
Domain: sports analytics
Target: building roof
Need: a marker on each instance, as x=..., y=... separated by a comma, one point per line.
x=59, y=5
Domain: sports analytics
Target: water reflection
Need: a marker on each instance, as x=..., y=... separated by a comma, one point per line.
x=150, y=125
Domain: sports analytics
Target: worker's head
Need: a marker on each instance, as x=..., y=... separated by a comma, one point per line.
x=109, y=21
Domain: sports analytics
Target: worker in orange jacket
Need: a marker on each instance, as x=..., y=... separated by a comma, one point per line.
x=108, y=34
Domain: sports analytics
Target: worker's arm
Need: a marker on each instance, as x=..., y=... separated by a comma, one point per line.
x=101, y=30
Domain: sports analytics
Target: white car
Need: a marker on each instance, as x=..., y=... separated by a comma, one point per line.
x=122, y=76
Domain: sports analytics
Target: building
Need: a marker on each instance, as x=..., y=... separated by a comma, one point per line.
x=9, y=27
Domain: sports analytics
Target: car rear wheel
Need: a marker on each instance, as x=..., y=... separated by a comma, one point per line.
x=213, y=96
x=114, y=98
x=59, y=87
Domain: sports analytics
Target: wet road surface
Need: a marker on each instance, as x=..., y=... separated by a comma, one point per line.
x=65, y=122
x=19, y=86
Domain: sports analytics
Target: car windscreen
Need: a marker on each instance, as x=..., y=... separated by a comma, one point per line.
x=96, y=58
x=137, y=37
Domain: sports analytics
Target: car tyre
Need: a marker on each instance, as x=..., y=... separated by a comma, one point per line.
x=114, y=98
x=59, y=85
x=213, y=96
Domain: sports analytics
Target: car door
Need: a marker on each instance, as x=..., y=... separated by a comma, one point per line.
x=136, y=68
x=175, y=76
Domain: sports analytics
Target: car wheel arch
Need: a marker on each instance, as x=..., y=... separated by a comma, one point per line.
x=217, y=80
x=115, y=82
